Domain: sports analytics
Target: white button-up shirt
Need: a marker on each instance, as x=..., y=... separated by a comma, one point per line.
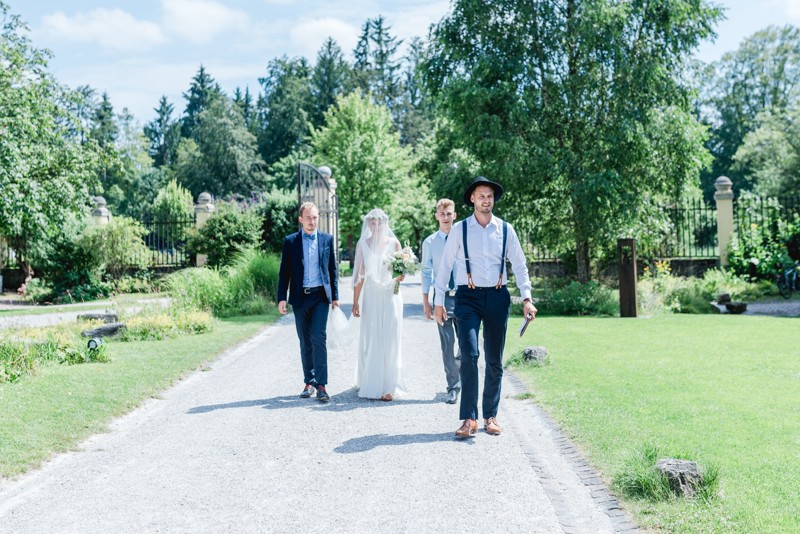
x=485, y=251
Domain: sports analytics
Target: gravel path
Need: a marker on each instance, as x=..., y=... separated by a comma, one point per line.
x=234, y=449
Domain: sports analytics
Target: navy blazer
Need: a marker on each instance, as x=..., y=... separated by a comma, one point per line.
x=291, y=274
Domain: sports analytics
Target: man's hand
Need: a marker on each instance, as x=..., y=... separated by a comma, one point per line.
x=282, y=307
x=441, y=315
x=334, y=304
x=427, y=307
x=529, y=309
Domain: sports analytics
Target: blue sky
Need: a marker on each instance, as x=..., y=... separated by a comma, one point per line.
x=139, y=50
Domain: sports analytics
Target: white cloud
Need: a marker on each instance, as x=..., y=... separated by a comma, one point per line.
x=199, y=21
x=307, y=37
x=110, y=28
x=792, y=8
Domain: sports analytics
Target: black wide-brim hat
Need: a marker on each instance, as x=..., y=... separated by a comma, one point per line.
x=481, y=180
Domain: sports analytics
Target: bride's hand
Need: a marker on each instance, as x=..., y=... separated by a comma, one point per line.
x=356, y=310
x=400, y=278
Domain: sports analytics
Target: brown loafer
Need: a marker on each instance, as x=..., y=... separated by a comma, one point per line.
x=468, y=429
x=491, y=427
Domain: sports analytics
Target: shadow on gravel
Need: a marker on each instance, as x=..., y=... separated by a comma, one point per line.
x=347, y=400
x=275, y=402
x=367, y=443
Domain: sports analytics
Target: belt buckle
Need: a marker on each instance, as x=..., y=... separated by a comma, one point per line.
x=307, y=290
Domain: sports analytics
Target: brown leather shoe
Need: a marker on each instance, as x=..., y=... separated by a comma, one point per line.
x=491, y=426
x=468, y=429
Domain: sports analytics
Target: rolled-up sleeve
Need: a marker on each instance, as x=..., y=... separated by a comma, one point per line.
x=519, y=265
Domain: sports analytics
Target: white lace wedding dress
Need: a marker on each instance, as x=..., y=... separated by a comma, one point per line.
x=379, y=348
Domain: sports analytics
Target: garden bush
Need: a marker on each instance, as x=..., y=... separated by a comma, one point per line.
x=278, y=212
x=575, y=298
x=228, y=232
x=22, y=353
x=118, y=245
x=166, y=324
x=246, y=287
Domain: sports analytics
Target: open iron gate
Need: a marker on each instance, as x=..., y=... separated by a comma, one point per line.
x=312, y=186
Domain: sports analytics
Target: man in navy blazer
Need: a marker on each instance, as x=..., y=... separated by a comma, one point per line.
x=309, y=274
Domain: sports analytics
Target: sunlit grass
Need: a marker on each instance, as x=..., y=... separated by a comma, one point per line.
x=722, y=389
x=61, y=405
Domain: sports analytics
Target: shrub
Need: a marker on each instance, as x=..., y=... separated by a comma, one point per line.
x=278, y=212
x=196, y=288
x=575, y=298
x=20, y=356
x=174, y=203
x=164, y=325
x=118, y=245
x=262, y=268
x=226, y=233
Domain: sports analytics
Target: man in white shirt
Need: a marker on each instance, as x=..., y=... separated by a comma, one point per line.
x=432, y=249
x=478, y=247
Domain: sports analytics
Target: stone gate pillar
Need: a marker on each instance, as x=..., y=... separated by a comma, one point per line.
x=100, y=213
x=724, y=198
x=203, y=211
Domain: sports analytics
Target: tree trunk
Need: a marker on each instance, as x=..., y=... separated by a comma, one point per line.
x=582, y=259
x=351, y=248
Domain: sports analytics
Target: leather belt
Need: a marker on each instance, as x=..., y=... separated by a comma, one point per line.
x=309, y=290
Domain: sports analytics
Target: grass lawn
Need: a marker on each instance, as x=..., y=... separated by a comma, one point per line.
x=62, y=405
x=723, y=390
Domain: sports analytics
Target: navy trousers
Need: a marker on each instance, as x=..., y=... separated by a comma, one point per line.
x=490, y=307
x=311, y=319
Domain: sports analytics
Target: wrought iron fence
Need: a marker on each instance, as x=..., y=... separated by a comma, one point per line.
x=166, y=240
x=766, y=216
x=691, y=232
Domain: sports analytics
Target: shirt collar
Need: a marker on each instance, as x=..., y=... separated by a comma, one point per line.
x=312, y=235
x=472, y=221
x=441, y=234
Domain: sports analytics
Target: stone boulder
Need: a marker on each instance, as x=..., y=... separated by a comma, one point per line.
x=736, y=307
x=683, y=475
x=105, y=317
x=723, y=298
x=535, y=355
x=105, y=330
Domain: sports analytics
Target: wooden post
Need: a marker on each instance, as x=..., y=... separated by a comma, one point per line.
x=203, y=211
x=626, y=257
x=724, y=198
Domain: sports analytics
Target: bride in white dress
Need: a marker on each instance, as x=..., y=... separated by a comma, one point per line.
x=379, y=374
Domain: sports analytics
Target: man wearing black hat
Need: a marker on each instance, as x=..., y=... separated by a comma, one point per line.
x=480, y=245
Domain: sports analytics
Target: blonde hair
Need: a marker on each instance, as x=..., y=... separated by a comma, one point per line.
x=445, y=203
x=306, y=205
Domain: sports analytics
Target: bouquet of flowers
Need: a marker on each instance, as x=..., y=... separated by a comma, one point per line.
x=402, y=262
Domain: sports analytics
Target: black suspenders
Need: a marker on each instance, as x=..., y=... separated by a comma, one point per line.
x=470, y=283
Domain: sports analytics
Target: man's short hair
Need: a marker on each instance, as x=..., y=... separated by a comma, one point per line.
x=445, y=203
x=307, y=205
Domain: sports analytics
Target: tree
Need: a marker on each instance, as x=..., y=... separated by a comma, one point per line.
x=415, y=113
x=202, y=91
x=163, y=134
x=285, y=107
x=222, y=158
x=45, y=171
x=84, y=108
x=579, y=108
x=104, y=127
x=771, y=154
x=244, y=101
x=360, y=144
x=329, y=79
x=376, y=68
x=762, y=75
